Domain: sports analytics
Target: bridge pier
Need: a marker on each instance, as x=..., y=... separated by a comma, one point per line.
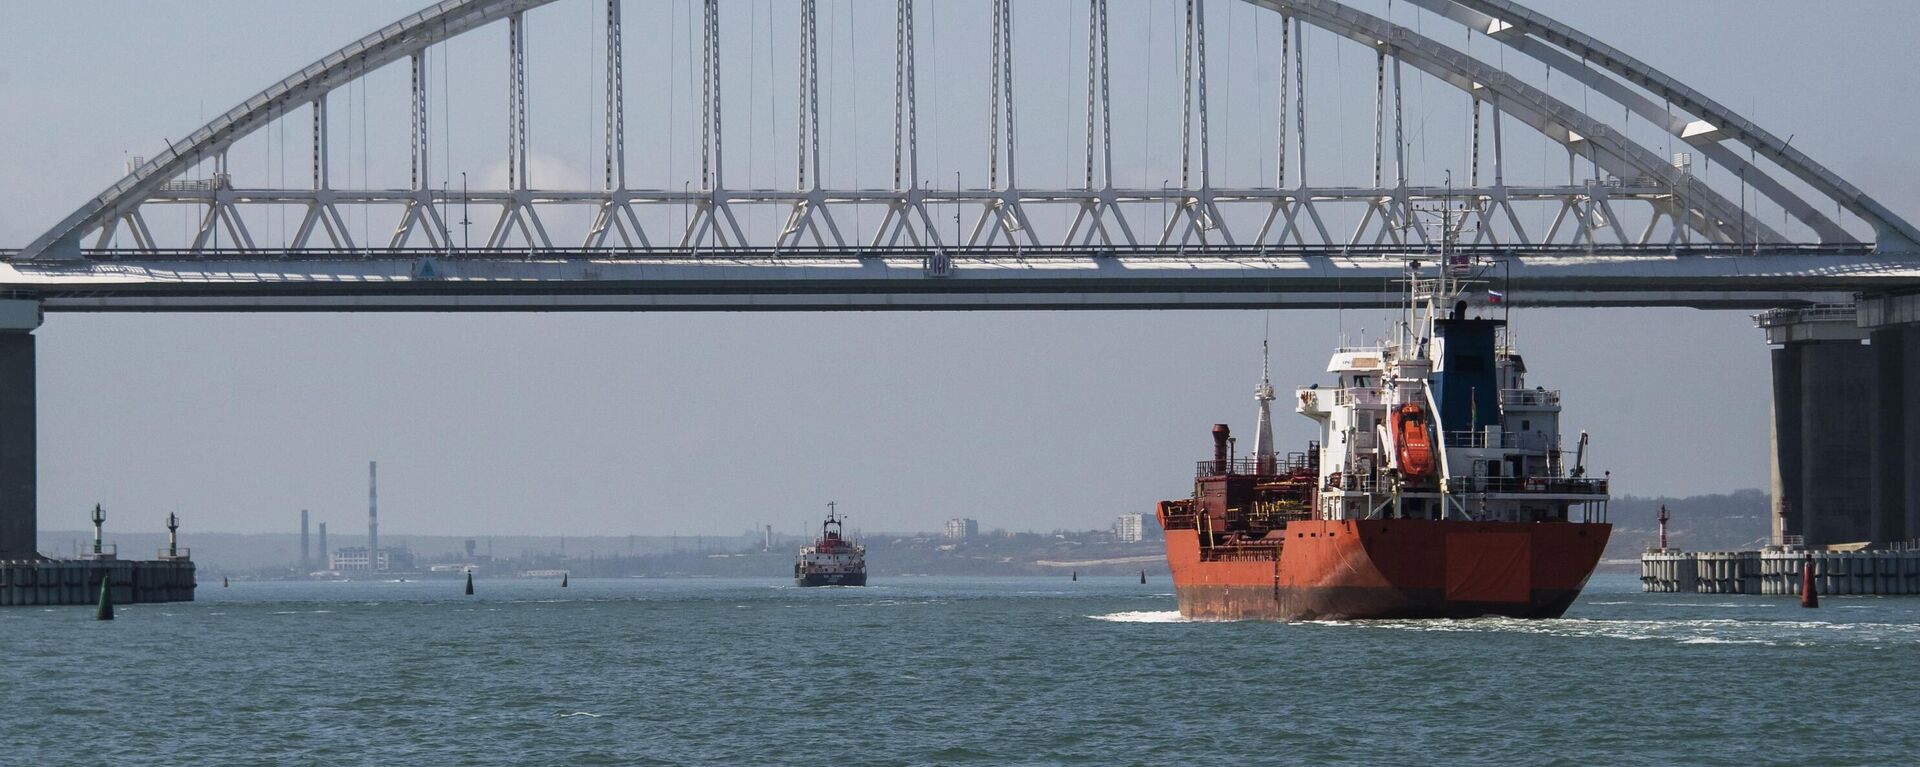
x=1846, y=443
x=1895, y=325
x=19, y=527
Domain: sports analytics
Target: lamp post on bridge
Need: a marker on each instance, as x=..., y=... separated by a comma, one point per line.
x=465, y=243
x=1165, y=224
x=446, y=233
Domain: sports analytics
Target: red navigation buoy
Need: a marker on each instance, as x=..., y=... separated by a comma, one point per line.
x=1809, y=594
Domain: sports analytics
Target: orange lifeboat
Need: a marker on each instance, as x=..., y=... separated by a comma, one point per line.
x=1413, y=440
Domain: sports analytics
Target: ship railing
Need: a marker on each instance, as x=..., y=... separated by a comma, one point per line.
x=1234, y=466
x=1540, y=485
x=1356, y=396
x=1529, y=441
x=1275, y=466
x=1530, y=398
x=1361, y=483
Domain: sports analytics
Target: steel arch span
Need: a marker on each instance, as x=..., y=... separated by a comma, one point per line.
x=1625, y=208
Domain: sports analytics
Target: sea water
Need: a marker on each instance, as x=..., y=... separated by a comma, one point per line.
x=939, y=671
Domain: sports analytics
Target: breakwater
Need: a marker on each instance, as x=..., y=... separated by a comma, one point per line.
x=77, y=581
x=1777, y=571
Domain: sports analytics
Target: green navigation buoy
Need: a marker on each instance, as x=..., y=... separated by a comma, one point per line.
x=563, y=580
x=1143, y=577
x=224, y=583
x=1076, y=575
x=105, y=611
x=469, y=583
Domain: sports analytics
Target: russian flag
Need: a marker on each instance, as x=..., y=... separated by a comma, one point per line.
x=1496, y=297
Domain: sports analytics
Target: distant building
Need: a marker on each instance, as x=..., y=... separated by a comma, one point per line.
x=1130, y=528
x=962, y=528
x=355, y=558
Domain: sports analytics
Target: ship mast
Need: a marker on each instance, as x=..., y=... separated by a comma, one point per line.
x=1429, y=300
x=1264, y=460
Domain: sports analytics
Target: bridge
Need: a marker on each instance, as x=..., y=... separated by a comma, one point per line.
x=1626, y=222
x=1651, y=193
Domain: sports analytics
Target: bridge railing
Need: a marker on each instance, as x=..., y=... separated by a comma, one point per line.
x=1485, y=255
x=1842, y=313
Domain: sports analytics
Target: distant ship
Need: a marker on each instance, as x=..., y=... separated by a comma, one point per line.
x=1437, y=488
x=832, y=560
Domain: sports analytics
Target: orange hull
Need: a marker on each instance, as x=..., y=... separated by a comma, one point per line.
x=1395, y=568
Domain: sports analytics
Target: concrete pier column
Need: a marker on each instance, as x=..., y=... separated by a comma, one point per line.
x=1846, y=424
x=1838, y=390
x=1909, y=473
x=1785, y=522
x=19, y=525
x=1891, y=433
x=1895, y=324
x=1826, y=386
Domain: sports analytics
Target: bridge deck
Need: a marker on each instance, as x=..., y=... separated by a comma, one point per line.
x=571, y=280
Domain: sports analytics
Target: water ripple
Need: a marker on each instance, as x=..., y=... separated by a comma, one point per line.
x=943, y=671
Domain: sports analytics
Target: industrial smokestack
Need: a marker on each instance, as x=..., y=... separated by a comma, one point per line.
x=325, y=553
x=306, y=561
x=373, y=515
x=1221, y=433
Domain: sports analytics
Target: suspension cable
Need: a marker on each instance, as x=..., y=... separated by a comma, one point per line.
x=1093, y=10
x=1186, y=105
x=1286, y=85
x=1200, y=34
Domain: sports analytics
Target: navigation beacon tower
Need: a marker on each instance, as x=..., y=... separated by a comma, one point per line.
x=373, y=515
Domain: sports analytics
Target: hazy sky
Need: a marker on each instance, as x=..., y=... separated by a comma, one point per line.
x=643, y=423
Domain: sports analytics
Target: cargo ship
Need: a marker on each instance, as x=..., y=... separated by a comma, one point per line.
x=1438, y=487
x=832, y=560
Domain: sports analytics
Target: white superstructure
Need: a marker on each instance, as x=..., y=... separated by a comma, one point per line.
x=1439, y=423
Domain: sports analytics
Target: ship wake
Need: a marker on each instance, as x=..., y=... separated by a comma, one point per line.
x=1710, y=631
x=1143, y=616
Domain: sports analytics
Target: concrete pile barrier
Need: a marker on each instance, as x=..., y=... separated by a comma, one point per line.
x=77, y=581
x=1776, y=572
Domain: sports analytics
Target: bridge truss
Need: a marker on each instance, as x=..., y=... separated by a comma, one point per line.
x=1625, y=208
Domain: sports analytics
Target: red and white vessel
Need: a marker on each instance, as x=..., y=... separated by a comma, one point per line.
x=1437, y=489
x=833, y=559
